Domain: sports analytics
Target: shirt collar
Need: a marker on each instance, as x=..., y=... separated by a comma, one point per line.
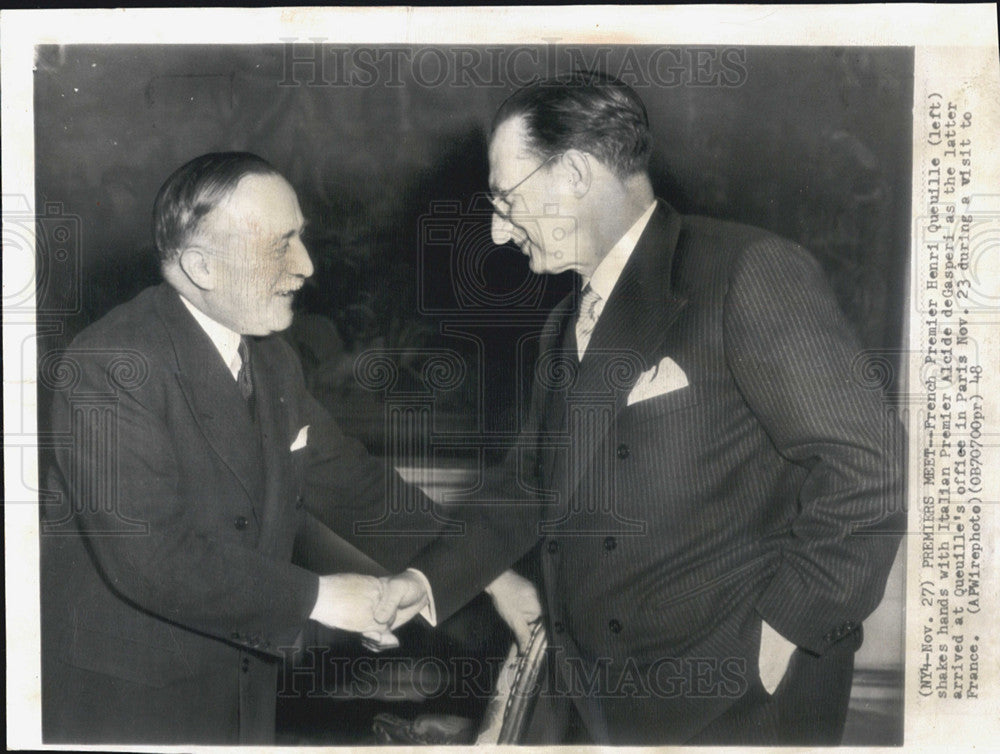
x=226, y=342
x=606, y=275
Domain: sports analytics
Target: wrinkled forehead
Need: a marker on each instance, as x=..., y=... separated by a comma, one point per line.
x=262, y=195
x=258, y=204
x=509, y=152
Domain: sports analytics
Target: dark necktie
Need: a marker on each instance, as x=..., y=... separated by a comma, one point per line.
x=586, y=319
x=245, y=377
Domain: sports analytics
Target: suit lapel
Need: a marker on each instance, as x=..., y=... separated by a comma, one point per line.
x=642, y=307
x=556, y=358
x=272, y=420
x=211, y=393
x=629, y=335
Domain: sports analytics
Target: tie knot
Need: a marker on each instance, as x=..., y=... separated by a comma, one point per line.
x=586, y=320
x=243, y=351
x=244, y=378
x=589, y=302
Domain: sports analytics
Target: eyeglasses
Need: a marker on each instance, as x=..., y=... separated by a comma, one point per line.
x=499, y=200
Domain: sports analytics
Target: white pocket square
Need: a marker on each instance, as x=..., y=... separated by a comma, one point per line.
x=664, y=378
x=300, y=439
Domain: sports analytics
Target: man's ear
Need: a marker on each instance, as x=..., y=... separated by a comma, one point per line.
x=577, y=165
x=197, y=266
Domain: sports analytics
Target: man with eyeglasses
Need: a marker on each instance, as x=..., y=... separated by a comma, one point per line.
x=715, y=490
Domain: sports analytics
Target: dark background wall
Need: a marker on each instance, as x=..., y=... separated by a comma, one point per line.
x=812, y=143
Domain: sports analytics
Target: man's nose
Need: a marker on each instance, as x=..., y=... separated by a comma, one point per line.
x=300, y=263
x=502, y=229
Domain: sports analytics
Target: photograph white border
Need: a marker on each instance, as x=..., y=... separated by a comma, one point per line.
x=956, y=54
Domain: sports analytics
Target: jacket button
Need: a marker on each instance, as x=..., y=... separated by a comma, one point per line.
x=552, y=547
x=235, y=635
x=299, y=501
x=558, y=627
x=241, y=522
x=246, y=664
x=614, y=626
x=610, y=543
x=623, y=451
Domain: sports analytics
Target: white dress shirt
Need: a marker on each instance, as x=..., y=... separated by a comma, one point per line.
x=226, y=342
x=607, y=272
x=598, y=287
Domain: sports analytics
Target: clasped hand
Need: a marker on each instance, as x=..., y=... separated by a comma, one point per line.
x=373, y=607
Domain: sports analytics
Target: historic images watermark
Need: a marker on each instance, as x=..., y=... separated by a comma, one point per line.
x=320, y=672
x=315, y=62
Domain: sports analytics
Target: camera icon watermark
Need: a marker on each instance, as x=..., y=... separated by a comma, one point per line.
x=46, y=247
x=457, y=242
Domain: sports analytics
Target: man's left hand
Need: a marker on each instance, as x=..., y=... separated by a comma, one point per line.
x=516, y=600
x=775, y=652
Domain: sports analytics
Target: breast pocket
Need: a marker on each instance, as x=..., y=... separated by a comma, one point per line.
x=665, y=403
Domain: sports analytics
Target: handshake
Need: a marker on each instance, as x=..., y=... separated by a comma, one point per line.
x=375, y=607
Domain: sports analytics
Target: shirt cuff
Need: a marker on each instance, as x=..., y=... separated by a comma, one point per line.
x=316, y=608
x=429, y=614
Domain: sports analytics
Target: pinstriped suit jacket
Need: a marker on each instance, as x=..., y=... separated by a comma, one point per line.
x=766, y=488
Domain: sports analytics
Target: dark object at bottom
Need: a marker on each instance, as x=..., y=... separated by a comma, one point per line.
x=507, y=714
x=425, y=729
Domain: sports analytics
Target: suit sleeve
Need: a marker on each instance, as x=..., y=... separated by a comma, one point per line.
x=791, y=352
x=496, y=531
x=155, y=547
x=348, y=490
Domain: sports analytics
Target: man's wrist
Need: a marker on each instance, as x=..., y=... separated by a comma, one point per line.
x=429, y=614
x=318, y=607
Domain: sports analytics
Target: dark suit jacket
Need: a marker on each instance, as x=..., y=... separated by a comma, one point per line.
x=167, y=586
x=671, y=526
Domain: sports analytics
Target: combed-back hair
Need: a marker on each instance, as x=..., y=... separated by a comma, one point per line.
x=585, y=110
x=194, y=190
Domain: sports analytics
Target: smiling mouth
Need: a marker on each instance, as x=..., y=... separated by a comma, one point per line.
x=289, y=293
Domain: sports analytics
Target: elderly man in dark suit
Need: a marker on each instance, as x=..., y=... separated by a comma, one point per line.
x=167, y=583
x=715, y=491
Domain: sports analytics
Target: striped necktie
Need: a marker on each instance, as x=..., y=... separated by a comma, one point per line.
x=586, y=319
x=245, y=378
